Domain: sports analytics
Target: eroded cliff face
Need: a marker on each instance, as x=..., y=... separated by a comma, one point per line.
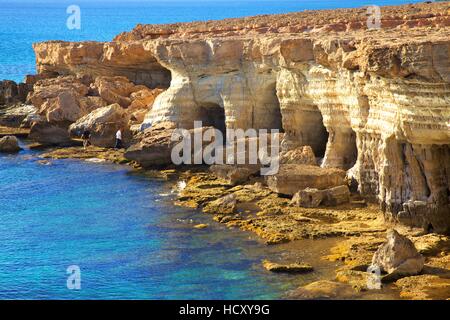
x=373, y=102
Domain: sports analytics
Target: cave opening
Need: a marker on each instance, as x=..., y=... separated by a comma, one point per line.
x=213, y=115
x=314, y=132
x=351, y=155
x=267, y=112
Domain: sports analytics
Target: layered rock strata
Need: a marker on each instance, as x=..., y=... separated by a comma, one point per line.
x=373, y=102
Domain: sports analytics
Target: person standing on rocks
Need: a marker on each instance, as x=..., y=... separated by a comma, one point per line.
x=86, y=137
x=118, y=139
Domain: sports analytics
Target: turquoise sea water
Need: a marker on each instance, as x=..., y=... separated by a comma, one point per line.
x=23, y=22
x=123, y=233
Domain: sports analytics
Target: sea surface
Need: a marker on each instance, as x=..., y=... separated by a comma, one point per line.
x=120, y=227
x=23, y=22
x=128, y=240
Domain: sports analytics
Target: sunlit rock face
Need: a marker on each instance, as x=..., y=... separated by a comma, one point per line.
x=373, y=102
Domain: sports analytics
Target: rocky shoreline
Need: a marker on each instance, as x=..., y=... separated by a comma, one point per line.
x=362, y=119
x=356, y=228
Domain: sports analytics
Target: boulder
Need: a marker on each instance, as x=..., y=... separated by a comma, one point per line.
x=336, y=196
x=308, y=198
x=398, y=256
x=115, y=90
x=9, y=144
x=48, y=133
x=323, y=289
x=293, y=177
x=11, y=92
x=295, y=267
x=153, y=147
x=234, y=174
x=312, y=197
x=103, y=124
x=50, y=89
x=14, y=115
x=223, y=205
x=299, y=155
x=141, y=103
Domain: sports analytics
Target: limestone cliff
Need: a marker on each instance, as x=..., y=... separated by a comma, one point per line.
x=373, y=102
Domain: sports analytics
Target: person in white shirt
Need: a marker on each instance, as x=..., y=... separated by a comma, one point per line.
x=118, y=139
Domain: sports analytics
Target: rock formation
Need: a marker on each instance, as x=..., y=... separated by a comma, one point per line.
x=398, y=256
x=103, y=124
x=9, y=144
x=373, y=102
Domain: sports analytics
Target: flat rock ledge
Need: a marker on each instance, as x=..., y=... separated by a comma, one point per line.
x=296, y=267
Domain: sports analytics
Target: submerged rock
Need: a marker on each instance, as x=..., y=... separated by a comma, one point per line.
x=9, y=144
x=201, y=226
x=398, y=256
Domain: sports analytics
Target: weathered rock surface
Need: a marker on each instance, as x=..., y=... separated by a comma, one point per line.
x=9, y=144
x=294, y=177
x=300, y=155
x=11, y=92
x=398, y=256
x=323, y=289
x=424, y=287
x=373, y=101
x=312, y=198
x=15, y=115
x=234, y=174
x=103, y=124
x=154, y=146
x=295, y=267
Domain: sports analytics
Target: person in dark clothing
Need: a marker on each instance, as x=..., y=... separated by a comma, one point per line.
x=86, y=137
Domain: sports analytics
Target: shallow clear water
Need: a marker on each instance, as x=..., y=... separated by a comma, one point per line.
x=23, y=22
x=123, y=233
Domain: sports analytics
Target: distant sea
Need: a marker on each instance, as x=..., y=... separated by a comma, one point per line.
x=23, y=22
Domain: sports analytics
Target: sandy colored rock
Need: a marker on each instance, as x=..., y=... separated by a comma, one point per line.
x=224, y=205
x=323, y=289
x=14, y=115
x=308, y=198
x=374, y=102
x=295, y=267
x=398, y=256
x=234, y=174
x=300, y=155
x=103, y=124
x=424, y=287
x=90, y=153
x=11, y=92
x=294, y=177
